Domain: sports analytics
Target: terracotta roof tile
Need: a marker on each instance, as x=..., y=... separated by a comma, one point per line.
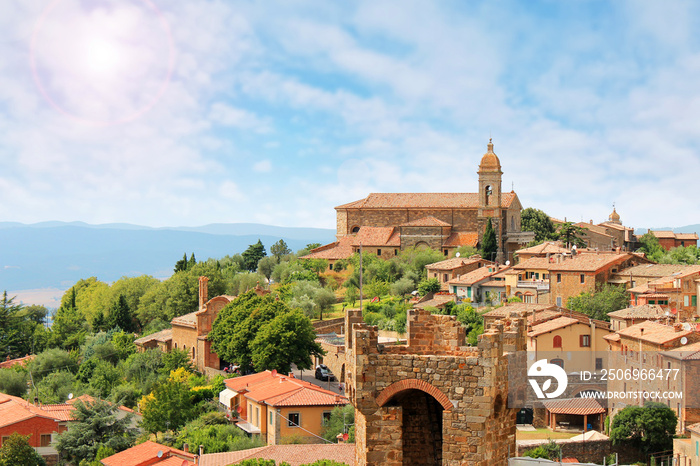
x=457, y=239
x=13, y=362
x=544, y=248
x=377, y=236
x=147, y=454
x=653, y=270
x=423, y=201
x=639, y=312
x=15, y=409
x=551, y=325
x=577, y=406
x=494, y=283
x=279, y=390
x=687, y=353
x=295, y=455
x=163, y=335
x=653, y=332
x=455, y=263
x=428, y=221
x=475, y=276
x=341, y=249
x=187, y=320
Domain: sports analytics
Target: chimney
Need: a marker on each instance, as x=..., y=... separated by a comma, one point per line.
x=186, y=448
x=291, y=375
x=641, y=331
x=677, y=327
x=203, y=291
x=591, y=221
x=201, y=450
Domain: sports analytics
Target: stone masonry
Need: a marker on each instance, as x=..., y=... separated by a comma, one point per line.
x=433, y=401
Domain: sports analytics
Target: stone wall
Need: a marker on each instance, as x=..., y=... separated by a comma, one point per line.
x=330, y=326
x=587, y=451
x=433, y=401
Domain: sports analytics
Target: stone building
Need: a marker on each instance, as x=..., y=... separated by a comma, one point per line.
x=432, y=401
x=669, y=240
x=385, y=223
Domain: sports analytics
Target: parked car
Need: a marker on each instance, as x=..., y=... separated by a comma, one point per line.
x=322, y=373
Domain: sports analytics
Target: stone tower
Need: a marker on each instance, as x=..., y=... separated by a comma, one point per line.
x=490, y=197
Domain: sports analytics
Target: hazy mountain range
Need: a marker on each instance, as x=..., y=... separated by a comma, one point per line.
x=57, y=254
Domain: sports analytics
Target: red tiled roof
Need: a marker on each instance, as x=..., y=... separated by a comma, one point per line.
x=551, y=325
x=341, y=249
x=612, y=337
x=163, y=335
x=279, y=390
x=494, y=283
x=14, y=409
x=454, y=263
x=457, y=239
x=653, y=332
x=295, y=455
x=544, y=248
x=147, y=454
x=377, y=236
x=475, y=276
x=687, y=353
x=577, y=406
x=428, y=221
x=423, y=201
x=187, y=320
x=639, y=312
x=13, y=362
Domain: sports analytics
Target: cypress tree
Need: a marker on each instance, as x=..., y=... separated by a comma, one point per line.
x=489, y=247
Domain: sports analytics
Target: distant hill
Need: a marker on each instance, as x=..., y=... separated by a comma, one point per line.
x=57, y=254
x=685, y=229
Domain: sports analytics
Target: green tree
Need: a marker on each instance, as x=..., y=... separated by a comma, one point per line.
x=120, y=316
x=647, y=429
x=599, y=304
x=69, y=328
x=550, y=450
x=96, y=425
x=13, y=382
x=266, y=265
x=52, y=360
x=241, y=322
x=571, y=235
x=176, y=359
x=351, y=295
x=252, y=256
x=181, y=265
x=489, y=246
x=429, y=285
x=402, y=287
x=54, y=388
x=216, y=434
x=287, y=339
x=192, y=262
x=279, y=250
x=16, y=450
x=168, y=407
x=538, y=222
x=342, y=421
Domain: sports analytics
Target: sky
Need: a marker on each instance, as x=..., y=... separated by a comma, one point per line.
x=188, y=113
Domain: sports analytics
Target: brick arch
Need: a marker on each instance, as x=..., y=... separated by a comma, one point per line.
x=414, y=384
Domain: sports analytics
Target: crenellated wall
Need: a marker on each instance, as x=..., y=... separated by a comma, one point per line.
x=433, y=400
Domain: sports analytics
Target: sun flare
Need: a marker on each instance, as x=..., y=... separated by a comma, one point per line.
x=102, y=62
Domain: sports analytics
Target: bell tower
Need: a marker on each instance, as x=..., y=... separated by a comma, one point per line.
x=490, y=196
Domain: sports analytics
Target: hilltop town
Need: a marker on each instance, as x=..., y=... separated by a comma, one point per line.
x=412, y=339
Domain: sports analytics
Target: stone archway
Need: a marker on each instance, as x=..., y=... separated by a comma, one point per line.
x=422, y=407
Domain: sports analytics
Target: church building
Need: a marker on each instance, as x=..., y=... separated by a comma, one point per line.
x=386, y=223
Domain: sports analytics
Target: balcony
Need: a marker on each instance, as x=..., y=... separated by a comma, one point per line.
x=540, y=285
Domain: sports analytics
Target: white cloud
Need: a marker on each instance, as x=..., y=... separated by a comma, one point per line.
x=263, y=166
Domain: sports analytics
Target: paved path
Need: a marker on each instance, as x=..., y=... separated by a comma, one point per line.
x=308, y=376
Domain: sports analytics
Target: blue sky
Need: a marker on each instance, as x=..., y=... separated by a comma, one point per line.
x=187, y=113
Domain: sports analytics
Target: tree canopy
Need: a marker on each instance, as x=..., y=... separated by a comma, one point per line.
x=261, y=332
x=16, y=450
x=571, y=234
x=538, y=222
x=252, y=256
x=597, y=305
x=489, y=244
x=648, y=429
x=96, y=425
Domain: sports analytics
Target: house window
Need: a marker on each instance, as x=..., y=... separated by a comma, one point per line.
x=45, y=440
x=434, y=274
x=330, y=266
x=583, y=278
x=558, y=362
x=271, y=418
x=686, y=301
x=556, y=342
x=585, y=341
x=294, y=420
x=444, y=277
x=396, y=252
x=379, y=252
x=326, y=418
x=598, y=364
x=355, y=229
x=558, y=278
x=445, y=252
x=558, y=301
x=257, y=416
